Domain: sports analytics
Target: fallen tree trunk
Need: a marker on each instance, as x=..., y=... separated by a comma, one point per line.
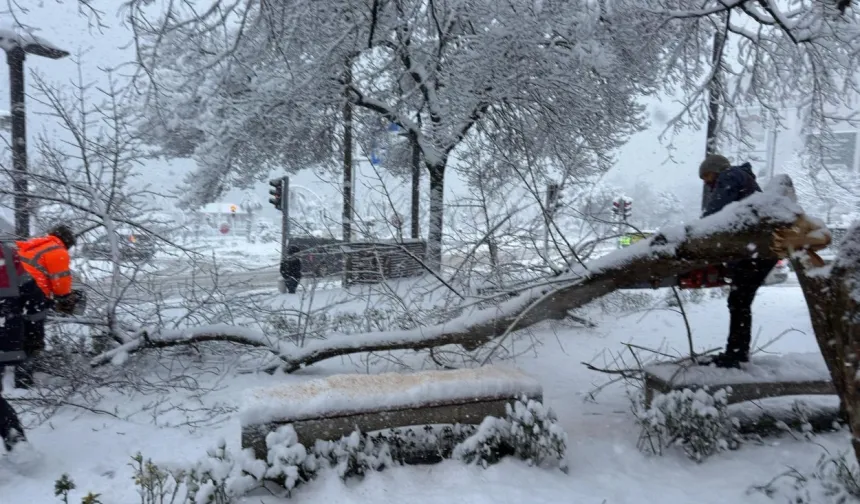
x=741, y=230
x=833, y=297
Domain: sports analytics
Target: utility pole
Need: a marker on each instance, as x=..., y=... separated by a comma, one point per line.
x=17, y=49
x=15, y=58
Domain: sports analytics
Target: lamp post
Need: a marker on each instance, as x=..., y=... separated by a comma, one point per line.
x=17, y=46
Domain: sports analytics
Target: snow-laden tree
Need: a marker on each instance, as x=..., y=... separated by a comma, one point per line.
x=248, y=86
x=830, y=194
x=732, y=55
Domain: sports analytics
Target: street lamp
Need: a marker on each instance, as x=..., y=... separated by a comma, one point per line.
x=17, y=46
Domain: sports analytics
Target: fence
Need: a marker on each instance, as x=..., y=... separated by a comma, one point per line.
x=320, y=257
x=374, y=262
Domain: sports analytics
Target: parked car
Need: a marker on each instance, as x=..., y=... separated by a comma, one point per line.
x=134, y=246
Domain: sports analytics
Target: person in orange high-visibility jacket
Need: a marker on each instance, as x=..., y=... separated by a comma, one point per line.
x=46, y=259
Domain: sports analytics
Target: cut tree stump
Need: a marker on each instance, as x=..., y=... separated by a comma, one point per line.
x=763, y=377
x=328, y=409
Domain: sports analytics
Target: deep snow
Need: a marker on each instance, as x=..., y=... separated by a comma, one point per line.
x=605, y=466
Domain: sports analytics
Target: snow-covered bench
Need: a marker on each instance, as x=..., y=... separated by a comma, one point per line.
x=332, y=407
x=763, y=377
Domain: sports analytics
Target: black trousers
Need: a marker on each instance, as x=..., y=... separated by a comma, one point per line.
x=34, y=344
x=10, y=427
x=292, y=284
x=747, y=277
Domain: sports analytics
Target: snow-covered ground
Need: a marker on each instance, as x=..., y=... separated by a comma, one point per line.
x=605, y=465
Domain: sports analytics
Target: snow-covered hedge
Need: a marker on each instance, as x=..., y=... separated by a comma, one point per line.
x=529, y=432
x=697, y=421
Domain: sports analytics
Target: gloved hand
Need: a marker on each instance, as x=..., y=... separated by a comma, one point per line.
x=65, y=304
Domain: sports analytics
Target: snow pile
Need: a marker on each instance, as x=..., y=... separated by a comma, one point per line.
x=787, y=368
x=698, y=422
x=367, y=393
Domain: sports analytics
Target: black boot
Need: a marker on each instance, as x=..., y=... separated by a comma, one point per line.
x=726, y=360
x=13, y=438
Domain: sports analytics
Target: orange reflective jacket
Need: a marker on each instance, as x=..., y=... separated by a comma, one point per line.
x=46, y=259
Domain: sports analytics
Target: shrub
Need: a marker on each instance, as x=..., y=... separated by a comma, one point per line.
x=529, y=432
x=698, y=422
x=833, y=479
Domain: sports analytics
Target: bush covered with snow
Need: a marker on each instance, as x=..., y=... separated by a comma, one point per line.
x=529, y=432
x=697, y=421
x=834, y=479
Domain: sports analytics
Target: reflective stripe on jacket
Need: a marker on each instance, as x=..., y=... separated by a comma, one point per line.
x=46, y=259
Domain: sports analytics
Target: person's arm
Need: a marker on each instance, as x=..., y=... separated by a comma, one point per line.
x=727, y=191
x=58, y=265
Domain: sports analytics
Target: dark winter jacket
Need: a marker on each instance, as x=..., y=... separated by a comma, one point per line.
x=291, y=267
x=732, y=185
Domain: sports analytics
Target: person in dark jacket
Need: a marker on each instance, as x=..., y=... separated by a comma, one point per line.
x=291, y=269
x=17, y=291
x=726, y=184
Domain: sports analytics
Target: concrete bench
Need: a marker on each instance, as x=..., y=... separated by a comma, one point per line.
x=333, y=407
x=763, y=377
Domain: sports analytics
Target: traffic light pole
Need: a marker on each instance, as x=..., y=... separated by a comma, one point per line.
x=551, y=198
x=285, y=218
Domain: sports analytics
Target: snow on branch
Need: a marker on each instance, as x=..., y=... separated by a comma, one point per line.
x=741, y=230
x=190, y=336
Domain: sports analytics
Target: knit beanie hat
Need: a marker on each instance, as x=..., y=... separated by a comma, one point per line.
x=714, y=163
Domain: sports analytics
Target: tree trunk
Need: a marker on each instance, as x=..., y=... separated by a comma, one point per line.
x=833, y=307
x=347, y=162
x=714, y=95
x=416, y=187
x=437, y=216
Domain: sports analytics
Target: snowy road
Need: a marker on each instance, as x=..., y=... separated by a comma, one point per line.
x=172, y=283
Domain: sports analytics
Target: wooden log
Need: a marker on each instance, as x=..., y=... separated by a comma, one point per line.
x=764, y=377
x=330, y=408
x=773, y=416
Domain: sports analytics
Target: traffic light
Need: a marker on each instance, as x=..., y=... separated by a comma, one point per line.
x=277, y=192
x=622, y=207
